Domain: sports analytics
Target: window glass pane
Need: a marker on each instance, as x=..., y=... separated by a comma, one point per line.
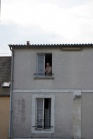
x=39, y=113
x=39, y=123
x=40, y=103
x=41, y=64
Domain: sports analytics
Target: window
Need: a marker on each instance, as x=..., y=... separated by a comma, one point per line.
x=43, y=113
x=6, y=85
x=42, y=60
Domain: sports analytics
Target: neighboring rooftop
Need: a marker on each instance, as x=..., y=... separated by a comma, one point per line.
x=5, y=73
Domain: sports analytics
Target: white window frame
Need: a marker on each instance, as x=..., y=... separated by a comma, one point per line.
x=33, y=129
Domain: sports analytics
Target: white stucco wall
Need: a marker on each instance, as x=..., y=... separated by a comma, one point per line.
x=87, y=115
x=63, y=115
x=72, y=69
x=72, y=115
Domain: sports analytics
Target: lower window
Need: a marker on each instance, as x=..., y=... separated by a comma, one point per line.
x=42, y=113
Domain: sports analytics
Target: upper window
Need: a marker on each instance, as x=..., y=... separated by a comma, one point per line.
x=44, y=64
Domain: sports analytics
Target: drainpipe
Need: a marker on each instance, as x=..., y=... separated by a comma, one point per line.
x=11, y=96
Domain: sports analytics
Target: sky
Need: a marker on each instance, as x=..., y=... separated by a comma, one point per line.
x=45, y=22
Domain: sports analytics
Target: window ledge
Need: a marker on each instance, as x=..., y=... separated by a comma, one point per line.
x=36, y=76
x=43, y=77
x=44, y=130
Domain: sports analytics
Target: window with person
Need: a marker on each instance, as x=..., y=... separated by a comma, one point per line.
x=44, y=64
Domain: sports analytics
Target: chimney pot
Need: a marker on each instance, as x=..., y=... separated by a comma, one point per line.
x=28, y=42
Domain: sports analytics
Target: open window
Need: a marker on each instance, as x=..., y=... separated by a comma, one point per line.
x=42, y=113
x=42, y=60
x=43, y=116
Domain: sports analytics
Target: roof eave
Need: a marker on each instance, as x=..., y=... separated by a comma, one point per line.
x=48, y=45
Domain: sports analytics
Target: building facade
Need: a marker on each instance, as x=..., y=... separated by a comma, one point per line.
x=59, y=105
x=5, y=72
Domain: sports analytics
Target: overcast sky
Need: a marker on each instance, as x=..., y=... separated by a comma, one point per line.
x=45, y=21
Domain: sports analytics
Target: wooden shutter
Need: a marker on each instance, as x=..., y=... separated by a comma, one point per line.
x=40, y=113
x=41, y=67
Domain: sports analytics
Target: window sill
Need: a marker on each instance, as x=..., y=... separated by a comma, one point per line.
x=37, y=130
x=42, y=131
x=36, y=76
x=43, y=77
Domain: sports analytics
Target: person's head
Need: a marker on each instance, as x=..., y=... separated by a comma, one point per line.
x=47, y=64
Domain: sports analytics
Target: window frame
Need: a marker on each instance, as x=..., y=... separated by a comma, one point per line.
x=37, y=75
x=33, y=126
x=43, y=126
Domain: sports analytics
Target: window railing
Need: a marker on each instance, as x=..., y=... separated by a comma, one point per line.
x=43, y=127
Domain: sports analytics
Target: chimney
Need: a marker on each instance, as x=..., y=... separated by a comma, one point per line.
x=28, y=42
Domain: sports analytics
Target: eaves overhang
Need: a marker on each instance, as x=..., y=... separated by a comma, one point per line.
x=89, y=45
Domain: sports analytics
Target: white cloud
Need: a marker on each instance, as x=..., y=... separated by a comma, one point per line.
x=29, y=11
x=57, y=21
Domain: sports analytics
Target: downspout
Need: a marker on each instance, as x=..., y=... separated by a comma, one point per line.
x=11, y=96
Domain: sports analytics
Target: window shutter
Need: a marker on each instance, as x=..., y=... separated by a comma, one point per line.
x=40, y=113
x=40, y=68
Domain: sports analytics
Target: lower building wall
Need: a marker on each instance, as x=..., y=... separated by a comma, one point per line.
x=73, y=115
x=87, y=115
x=4, y=117
x=63, y=117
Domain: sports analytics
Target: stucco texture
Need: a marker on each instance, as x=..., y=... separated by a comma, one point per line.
x=72, y=69
x=87, y=115
x=4, y=117
x=63, y=115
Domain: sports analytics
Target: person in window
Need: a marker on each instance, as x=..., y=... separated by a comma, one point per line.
x=48, y=70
